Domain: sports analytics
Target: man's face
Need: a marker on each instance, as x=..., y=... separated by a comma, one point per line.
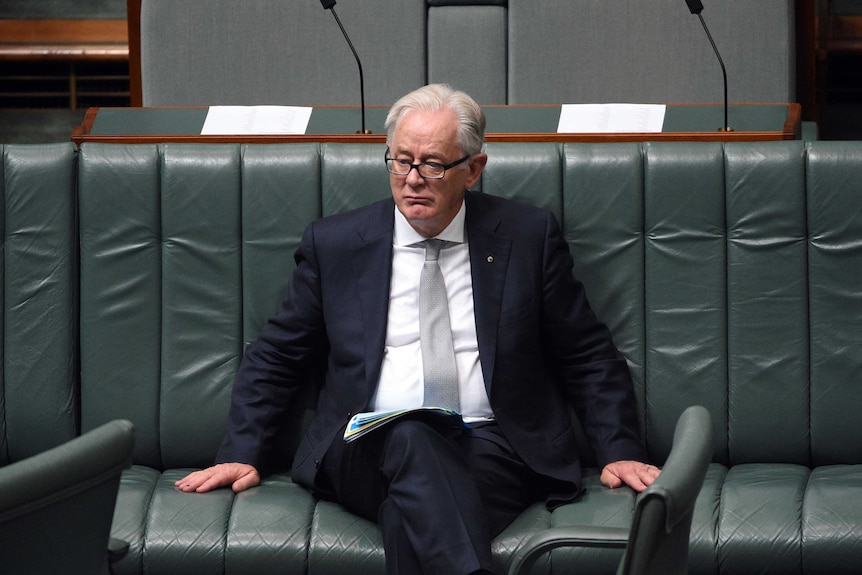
x=429, y=205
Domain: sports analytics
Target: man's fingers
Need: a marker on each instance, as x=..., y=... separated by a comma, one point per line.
x=193, y=481
x=635, y=474
x=246, y=482
x=608, y=479
x=238, y=475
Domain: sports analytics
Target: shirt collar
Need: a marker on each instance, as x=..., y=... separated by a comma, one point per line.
x=405, y=235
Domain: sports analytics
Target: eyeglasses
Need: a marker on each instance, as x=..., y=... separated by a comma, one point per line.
x=428, y=170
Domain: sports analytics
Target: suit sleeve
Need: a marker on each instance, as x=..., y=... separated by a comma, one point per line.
x=593, y=374
x=275, y=365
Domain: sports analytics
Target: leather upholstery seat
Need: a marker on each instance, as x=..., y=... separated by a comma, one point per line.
x=728, y=273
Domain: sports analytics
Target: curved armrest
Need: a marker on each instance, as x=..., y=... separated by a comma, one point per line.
x=573, y=536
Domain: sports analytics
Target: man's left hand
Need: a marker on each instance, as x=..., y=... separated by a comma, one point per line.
x=635, y=474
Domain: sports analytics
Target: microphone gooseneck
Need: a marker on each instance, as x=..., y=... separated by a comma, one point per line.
x=696, y=7
x=330, y=5
x=726, y=127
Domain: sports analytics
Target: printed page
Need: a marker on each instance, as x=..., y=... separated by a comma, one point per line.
x=256, y=120
x=611, y=118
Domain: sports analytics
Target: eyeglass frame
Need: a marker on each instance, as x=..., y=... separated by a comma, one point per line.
x=444, y=167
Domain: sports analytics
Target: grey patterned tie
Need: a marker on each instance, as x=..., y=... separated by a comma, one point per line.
x=435, y=331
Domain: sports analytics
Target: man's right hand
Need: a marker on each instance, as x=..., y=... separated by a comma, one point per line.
x=240, y=476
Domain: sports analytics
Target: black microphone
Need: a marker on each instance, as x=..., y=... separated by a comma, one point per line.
x=329, y=5
x=696, y=7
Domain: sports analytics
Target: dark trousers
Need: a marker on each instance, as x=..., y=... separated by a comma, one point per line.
x=438, y=496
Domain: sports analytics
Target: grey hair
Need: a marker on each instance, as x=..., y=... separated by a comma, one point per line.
x=434, y=97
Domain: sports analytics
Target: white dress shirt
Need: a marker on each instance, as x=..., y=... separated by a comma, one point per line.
x=401, y=384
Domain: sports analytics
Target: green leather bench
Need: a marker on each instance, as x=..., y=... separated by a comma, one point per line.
x=730, y=275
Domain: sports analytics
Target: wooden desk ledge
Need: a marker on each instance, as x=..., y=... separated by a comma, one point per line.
x=64, y=40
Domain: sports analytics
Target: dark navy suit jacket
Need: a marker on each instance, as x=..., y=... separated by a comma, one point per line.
x=540, y=345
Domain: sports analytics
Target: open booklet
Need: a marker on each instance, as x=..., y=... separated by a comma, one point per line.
x=363, y=423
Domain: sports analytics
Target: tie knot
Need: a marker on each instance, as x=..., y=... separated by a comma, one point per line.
x=432, y=248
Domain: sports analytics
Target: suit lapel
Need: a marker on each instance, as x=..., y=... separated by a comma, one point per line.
x=489, y=261
x=372, y=266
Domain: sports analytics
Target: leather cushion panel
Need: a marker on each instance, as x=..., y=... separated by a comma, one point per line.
x=201, y=297
x=526, y=173
x=831, y=525
x=262, y=530
x=280, y=196
x=130, y=515
x=835, y=276
x=759, y=526
x=268, y=529
x=703, y=538
x=352, y=176
x=39, y=299
x=186, y=533
x=121, y=290
x=767, y=294
x=685, y=289
x=339, y=539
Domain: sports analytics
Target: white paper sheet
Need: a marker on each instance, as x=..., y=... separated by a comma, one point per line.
x=252, y=120
x=611, y=118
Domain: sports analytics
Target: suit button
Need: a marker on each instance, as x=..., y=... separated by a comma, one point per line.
x=316, y=463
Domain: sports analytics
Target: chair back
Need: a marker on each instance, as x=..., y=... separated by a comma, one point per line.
x=659, y=536
x=56, y=507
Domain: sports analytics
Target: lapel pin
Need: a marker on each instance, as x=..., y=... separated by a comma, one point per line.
x=490, y=259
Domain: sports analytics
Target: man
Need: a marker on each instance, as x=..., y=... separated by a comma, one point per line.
x=526, y=345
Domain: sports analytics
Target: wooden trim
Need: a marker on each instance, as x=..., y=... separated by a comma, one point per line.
x=63, y=31
x=791, y=131
x=133, y=19
x=64, y=39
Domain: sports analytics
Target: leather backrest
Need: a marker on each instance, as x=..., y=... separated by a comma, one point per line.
x=186, y=251
x=39, y=310
x=681, y=247
x=834, y=257
x=728, y=274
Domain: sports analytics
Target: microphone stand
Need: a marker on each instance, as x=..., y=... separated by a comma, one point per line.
x=331, y=7
x=726, y=127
